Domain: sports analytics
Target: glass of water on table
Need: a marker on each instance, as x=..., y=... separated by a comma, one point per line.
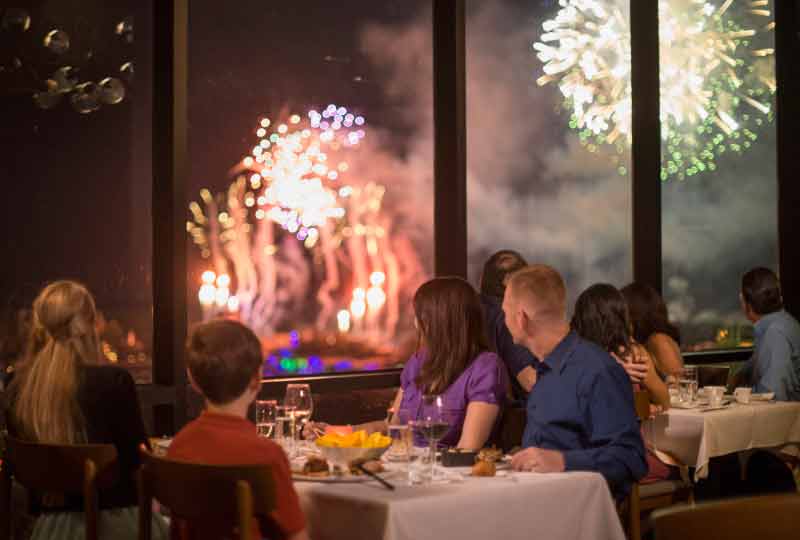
x=266, y=417
x=687, y=385
x=298, y=400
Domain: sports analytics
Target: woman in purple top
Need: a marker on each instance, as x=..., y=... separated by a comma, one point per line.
x=452, y=361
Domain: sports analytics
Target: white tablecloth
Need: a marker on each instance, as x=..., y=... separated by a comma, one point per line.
x=694, y=437
x=523, y=506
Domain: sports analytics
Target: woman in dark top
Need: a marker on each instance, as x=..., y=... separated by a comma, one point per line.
x=61, y=395
x=651, y=328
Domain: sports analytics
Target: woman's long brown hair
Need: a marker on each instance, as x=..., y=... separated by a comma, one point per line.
x=63, y=337
x=451, y=329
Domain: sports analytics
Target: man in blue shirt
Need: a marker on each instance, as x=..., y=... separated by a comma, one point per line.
x=775, y=364
x=581, y=414
x=518, y=360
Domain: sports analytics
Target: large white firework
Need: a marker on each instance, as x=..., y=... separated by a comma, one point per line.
x=717, y=77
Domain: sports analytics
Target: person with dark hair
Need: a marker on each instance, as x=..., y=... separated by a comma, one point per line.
x=518, y=360
x=580, y=415
x=775, y=363
x=453, y=361
x=651, y=328
x=601, y=317
x=223, y=363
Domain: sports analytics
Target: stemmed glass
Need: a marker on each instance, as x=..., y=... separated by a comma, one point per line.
x=432, y=426
x=299, y=401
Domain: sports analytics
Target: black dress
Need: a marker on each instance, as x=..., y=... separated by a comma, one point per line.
x=110, y=406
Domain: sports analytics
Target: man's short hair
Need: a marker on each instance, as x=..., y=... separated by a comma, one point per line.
x=497, y=268
x=223, y=356
x=761, y=289
x=542, y=287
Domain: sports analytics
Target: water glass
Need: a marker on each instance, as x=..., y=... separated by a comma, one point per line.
x=284, y=428
x=402, y=436
x=266, y=417
x=298, y=399
x=687, y=385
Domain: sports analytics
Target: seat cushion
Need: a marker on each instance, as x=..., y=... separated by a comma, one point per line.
x=662, y=487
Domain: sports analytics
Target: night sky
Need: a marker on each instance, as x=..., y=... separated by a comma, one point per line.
x=77, y=187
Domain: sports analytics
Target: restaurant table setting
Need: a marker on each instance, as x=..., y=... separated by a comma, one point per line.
x=456, y=503
x=704, y=424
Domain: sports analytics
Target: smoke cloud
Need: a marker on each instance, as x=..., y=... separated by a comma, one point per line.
x=533, y=187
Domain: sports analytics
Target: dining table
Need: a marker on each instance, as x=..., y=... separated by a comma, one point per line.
x=692, y=436
x=512, y=506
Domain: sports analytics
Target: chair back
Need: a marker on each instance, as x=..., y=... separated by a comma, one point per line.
x=712, y=375
x=512, y=427
x=69, y=469
x=776, y=516
x=205, y=493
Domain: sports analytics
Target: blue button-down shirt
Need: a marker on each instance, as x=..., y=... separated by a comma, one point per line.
x=582, y=404
x=775, y=364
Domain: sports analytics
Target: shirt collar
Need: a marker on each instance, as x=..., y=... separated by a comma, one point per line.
x=557, y=358
x=764, y=322
x=223, y=419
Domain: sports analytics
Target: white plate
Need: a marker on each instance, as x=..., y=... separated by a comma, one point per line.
x=344, y=479
x=766, y=396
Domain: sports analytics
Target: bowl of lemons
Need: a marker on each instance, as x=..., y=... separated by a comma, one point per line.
x=343, y=451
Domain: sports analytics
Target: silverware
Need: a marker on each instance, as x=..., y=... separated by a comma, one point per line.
x=366, y=471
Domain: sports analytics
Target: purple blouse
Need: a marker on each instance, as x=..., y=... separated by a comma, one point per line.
x=485, y=380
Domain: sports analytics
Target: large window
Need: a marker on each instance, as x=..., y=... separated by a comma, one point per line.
x=76, y=166
x=310, y=188
x=548, y=134
x=719, y=187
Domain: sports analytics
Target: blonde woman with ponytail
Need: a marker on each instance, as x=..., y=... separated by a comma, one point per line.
x=61, y=394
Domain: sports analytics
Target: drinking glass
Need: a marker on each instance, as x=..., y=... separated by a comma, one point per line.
x=298, y=398
x=266, y=415
x=687, y=385
x=402, y=437
x=432, y=426
x=284, y=422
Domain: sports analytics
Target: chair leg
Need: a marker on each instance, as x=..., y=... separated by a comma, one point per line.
x=244, y=502
x=90, y=499
x=145, y=506
x=634, y=514
x=5, y=502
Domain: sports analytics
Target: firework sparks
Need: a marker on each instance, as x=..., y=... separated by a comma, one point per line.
x=715, y=89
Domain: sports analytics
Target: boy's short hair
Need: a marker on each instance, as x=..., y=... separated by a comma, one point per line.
x=223, y=356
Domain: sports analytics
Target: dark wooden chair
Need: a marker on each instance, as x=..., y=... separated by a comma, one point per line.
x=512, y=426
x=211, y=494
x=645, y=498
x=774, y=516
x=64, y=469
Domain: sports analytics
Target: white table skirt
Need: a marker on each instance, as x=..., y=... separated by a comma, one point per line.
x=695, y=437
x=520, y=507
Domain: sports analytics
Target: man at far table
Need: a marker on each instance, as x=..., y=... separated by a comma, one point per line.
x=775, y=364
x=580, y=414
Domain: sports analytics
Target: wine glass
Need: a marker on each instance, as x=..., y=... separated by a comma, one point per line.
x=432, y=426
x=266, y=413
x=298, y=398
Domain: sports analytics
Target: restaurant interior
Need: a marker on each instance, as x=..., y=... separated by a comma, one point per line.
x=326, y=182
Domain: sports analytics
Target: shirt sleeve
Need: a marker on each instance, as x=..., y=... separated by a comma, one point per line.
x=288, y=515
x=615, y=447
x=127, y=427
x=774, y=364
x=488, y=381
x=515, y=357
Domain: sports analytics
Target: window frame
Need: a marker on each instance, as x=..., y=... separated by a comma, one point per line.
x=170, y=166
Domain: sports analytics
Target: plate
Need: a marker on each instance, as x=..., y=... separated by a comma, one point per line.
x=766, y=396
x=344, y=479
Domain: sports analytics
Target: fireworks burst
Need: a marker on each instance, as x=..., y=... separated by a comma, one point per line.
x=716, y=79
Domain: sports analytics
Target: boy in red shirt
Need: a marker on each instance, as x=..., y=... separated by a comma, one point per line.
x=223, y=362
